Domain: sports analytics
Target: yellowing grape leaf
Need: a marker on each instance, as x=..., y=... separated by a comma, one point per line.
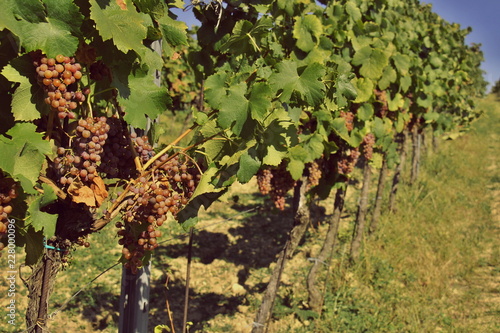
x=307, y=30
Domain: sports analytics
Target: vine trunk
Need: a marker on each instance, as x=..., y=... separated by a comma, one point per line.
x=361, y=215
x=377, y=207
x=315, y=295
x=300, y=224
x=403, y=138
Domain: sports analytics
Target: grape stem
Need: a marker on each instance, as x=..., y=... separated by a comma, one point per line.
x=192, y=160
x=175, y=142
x=60, y=193
x=102, y=222
x=50, y=124
x=167, y=148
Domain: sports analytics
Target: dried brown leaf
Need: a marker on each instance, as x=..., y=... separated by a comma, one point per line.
x=81, y=193
x=99, y=189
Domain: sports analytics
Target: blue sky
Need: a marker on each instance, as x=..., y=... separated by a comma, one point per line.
x=482, y=15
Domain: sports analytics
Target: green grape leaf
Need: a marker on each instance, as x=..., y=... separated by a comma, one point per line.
x=353, y=10
x=173, y=32
x=345, y=87
x=274, y=156
x=424, y=100
x=204, y=195
x=260, y=100
x=66, y=12
x=245, y=36
x=150, y=58
x=214, y=149
x=372, y=28
x=215, y=89
x=389, y=76
x=145, y=99
x=296, y=168
x=431, y=117
x=48, y=197
x=41, y=220
x=403, y=117
x=435, y=61
x=125, y=27
x=307, y=83
x=376, y=161
x=378, y=127
x=233, y=154
x=234, y=108
x=405, y=83
x=34, y=246
x=41, y=26
x=365, y=89
x=52, y=37
x=372, y=61
x=314, y=146
x=155, y=8
x=276, y=140
x=395, y=103
x=365, y=112
x=161, y=328
x=249, y=165
x=402, y=63
x=26, y=133
x=307, y=31
x=338, y=125
x=356, y=137
x=22, y=107
x=294, y=114
x=437, y=88
x=25, y=154
x=287, y=6
x=25, y=10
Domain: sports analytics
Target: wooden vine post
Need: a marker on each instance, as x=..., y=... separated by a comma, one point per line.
x=134, y=296
x=134, y=301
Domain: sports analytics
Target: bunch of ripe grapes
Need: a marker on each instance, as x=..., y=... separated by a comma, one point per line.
x=276, y=182
x=59, y=77
x=349, y=119
x=117, y=159
x=166, y=191
x=82, y=159
x=367, y=145
x=383, y=107
x=264, y=177
x=313, y=174
x=142, y=147
x=8, y=192
x=347, y=160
